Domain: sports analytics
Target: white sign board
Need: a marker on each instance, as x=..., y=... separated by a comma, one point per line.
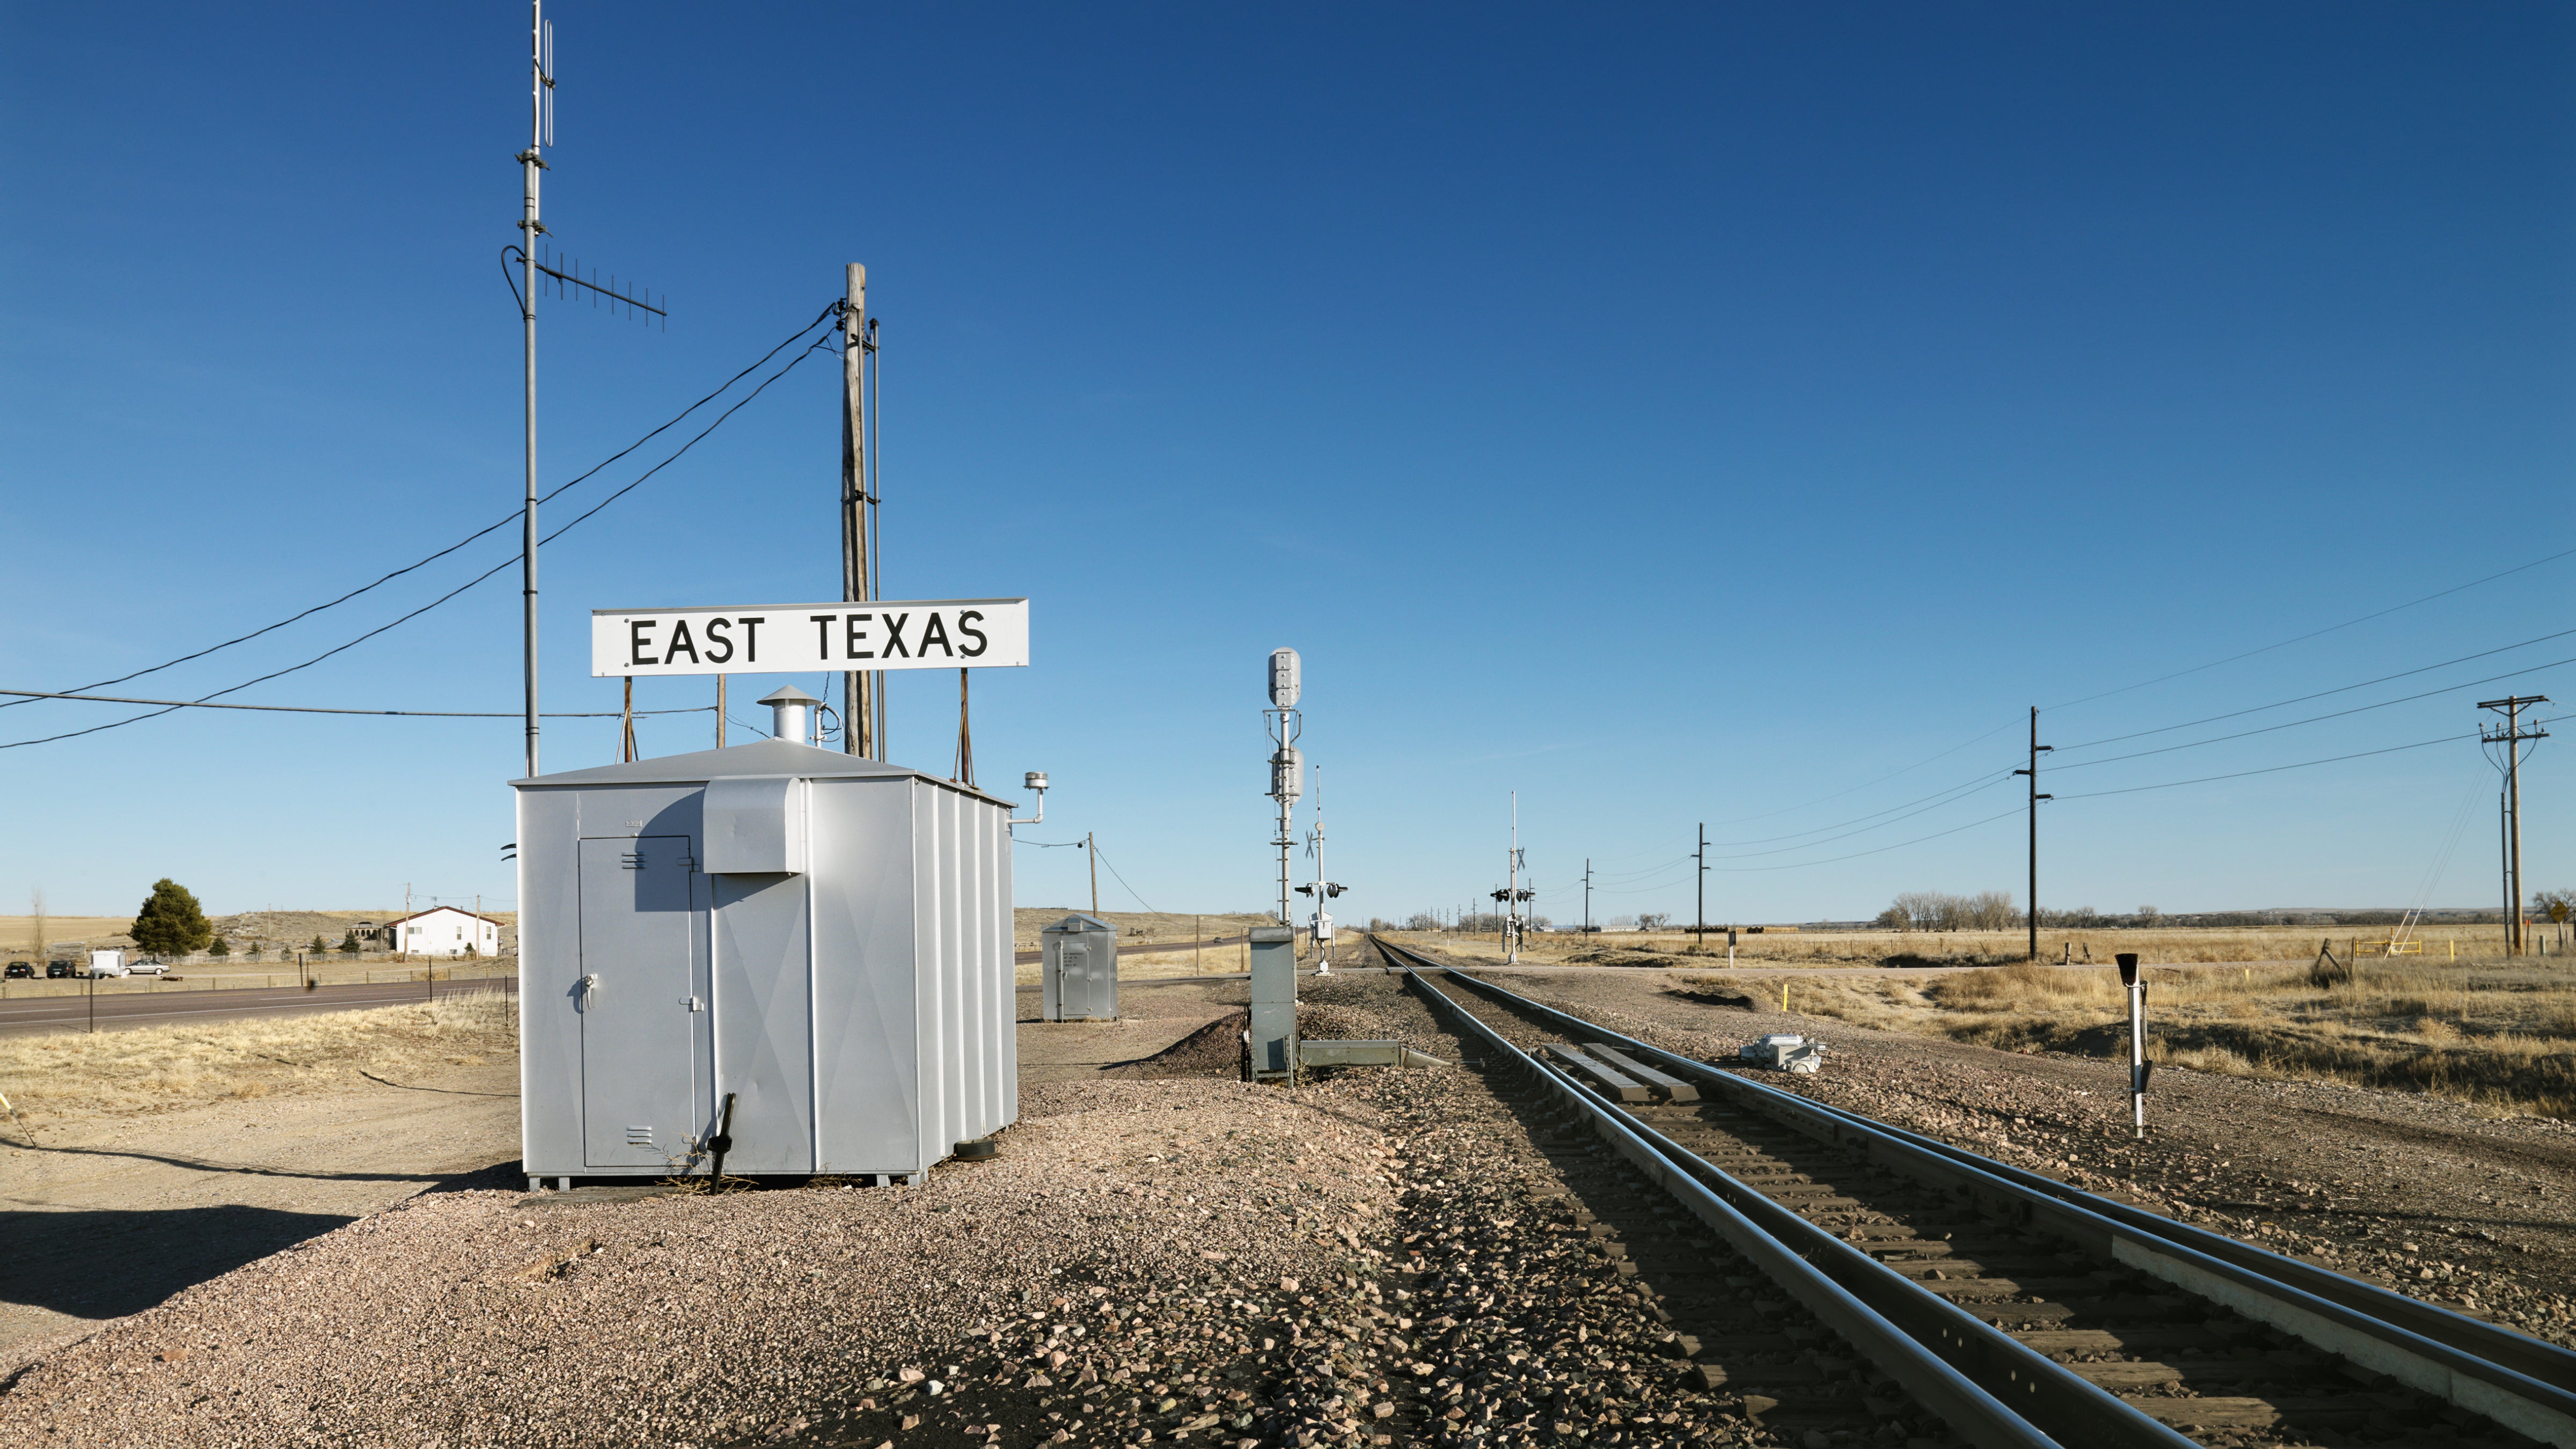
x=794, y=638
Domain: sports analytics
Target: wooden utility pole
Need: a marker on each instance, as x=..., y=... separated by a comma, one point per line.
x=2036, y=749
x=720, y=711
x=1699, y=913
x=858, y=714
x=2511, y=737
x=1093, y=853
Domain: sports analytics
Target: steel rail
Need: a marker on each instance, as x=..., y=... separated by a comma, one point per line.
x=2519, y=1383
x=1912, y=1335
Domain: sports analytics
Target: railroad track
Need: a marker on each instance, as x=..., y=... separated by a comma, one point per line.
x=2019, y=1311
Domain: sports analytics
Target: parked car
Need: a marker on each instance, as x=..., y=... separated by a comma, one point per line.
x=58, y=970
x=153, y=966
x=22, y=971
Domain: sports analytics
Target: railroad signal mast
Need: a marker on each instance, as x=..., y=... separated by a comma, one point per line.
x=1322, y=890
x=1287, y=766
x=2511, y=736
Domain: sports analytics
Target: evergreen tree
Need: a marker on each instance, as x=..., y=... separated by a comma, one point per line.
x=349, y=943
x=317, y=948
x=221, y=947
x=171, y=922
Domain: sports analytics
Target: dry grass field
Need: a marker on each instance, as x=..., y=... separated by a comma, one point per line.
x=1133, y=926
x=2175, y=945
x=2500, y=1036
x=63, y=1076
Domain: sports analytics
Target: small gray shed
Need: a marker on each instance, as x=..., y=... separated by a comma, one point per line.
x=822, y=937
x=1080, y=976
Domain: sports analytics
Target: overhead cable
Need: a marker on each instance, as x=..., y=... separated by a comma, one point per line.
x=2315, y=719
x=450, y=594
x=1122, y=880
x=1880, y=850
x=2339, y=689
x=502, y=522
x=2270, y=769
x=2160, y=679
x=2319, y=633
x=1947, y=798
x=323, y=709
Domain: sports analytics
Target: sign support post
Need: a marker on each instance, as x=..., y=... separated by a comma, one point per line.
x=858, y=713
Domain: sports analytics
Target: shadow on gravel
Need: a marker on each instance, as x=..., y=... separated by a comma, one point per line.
x=1712, y=996
x=108, y=1264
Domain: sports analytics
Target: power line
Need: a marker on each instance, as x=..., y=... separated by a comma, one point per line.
x=503, y=522
x=1880, y=850
x=1952, y=797
x=1965, y=787
x=1865, y=784
x=1122, y=880
x=26, y=694
x=450, y=594
x=2268, y=770
x=2318, y=633
x=2316, y=719
x=2339, y=689
x=2163, y=678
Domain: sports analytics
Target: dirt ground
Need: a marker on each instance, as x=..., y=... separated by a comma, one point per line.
x=107, y=1217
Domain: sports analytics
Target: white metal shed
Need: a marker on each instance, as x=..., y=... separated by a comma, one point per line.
x=825, y=938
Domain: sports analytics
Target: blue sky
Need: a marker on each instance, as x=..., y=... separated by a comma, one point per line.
x=1672, y=415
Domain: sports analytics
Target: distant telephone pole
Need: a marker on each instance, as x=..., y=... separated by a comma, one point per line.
x=1094, y=854
x=2511, y=737
x=1587, y=895
x=2036, y=749
x=1699, y=913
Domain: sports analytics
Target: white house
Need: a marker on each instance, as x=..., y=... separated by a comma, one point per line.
x=443, y=931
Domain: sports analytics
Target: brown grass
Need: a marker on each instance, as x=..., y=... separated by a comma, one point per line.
x=115, y=1073
x=2178, y=945
x=2503, y=1037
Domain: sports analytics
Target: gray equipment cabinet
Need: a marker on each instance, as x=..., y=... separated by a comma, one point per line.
x=1272, y=1038
x=1080, y=977
x=823, y=938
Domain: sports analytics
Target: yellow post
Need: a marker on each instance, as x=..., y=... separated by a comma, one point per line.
x=1784, y=998
x=2455, y=948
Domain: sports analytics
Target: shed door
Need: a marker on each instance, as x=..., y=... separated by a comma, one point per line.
x=643, y=1037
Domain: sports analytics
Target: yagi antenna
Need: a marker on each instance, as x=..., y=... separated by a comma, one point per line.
x=567, y=274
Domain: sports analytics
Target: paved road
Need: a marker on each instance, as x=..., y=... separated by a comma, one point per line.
x=1139, y=948
x=71, y=1013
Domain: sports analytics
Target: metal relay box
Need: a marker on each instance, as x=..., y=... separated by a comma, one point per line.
x=1079, y=976
x=822, y=938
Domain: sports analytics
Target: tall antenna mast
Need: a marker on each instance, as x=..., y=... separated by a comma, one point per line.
x=566, y=277
x=541, y=134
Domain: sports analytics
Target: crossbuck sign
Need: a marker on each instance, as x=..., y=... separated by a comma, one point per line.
x=789, y=638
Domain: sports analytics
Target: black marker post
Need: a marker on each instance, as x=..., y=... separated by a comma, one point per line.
x=2138, y=1064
